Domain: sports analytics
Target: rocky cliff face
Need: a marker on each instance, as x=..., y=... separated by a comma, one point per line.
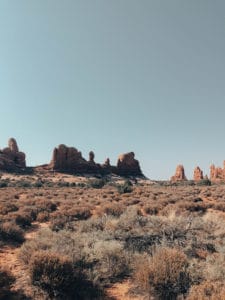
x=69, y=159
x=179, y=174
x=11, y=159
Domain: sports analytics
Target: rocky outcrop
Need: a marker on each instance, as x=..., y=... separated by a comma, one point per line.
x=198, y=174
x=179, y=174
x=11, y=159
x=217, y=174
x=128, y=165
x=69, y=159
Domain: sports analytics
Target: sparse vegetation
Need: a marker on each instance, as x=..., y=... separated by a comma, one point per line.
x=168, y=240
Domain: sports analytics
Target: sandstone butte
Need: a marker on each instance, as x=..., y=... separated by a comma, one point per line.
x=69, y=159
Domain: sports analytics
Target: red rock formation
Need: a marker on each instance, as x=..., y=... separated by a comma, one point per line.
x=11, y=159
x=198, y=174
x=217, y=174
x=179, y=174
x=69, y=159
x=128, y=165
x=66, y=158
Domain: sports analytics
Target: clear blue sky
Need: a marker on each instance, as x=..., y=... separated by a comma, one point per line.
x=115, y=76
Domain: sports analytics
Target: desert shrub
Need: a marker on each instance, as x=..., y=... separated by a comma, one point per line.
x=23, y=220
x=79, y=213
x=203, y=182
x=6, y=280
x=59, y=222
x=45, y=205
x=43, y=216
x=152, y=209
x=192, y=206
x=207, y=290
x=126, y=187
x=11, y=232
x=3, y=183
x=44, y=241
x=93, y=224
x=96, y=183
x=141, y=243
x=81, y=184
x=51, y=272
x=23, y=184
x=113, y=209
x=8, y=207
x=38, y=184
x=215, y=267
x=63, y=184
x=131, y=218
x=109, y=261
x=167, y=273
x=65, y=218
x=31, y=211
x=140, y=266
